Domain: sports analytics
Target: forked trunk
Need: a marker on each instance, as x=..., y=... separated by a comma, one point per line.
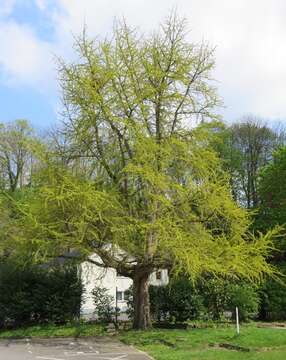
x=142, y=319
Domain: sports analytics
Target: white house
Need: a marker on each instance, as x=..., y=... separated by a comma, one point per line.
x=93, y=275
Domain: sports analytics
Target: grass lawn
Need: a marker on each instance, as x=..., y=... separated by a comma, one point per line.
x=69, y=330
x=198, y=344
x=195, y=344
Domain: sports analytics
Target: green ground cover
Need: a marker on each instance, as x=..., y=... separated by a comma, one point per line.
x=211, y=344
x=69, y=330
x=195, y=344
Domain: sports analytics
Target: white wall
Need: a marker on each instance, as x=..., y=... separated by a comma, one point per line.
x=93, y=275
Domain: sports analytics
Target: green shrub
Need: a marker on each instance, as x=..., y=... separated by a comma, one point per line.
x=215, y=297
x=246, y=298
x=33, y=294
x=273, y=299
x=185, y=302
x=181, y=300
x=159, y=302
x=104, y=305
x=220, y=295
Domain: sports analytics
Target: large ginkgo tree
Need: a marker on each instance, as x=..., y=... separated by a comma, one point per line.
x=138, y=183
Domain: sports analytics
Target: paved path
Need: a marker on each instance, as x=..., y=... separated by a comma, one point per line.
x=64, y=349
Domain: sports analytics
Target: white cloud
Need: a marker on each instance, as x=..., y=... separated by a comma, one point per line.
x=41, y=4
x=6, y=7
x=249, y=36
x=24, y=59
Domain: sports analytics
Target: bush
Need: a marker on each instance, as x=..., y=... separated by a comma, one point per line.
x=104, y=308
x=159, y=302
x=185, y=302
x=273, y=299
x=246, y=298
x=130, y=302
x=33, y=294
x=215, y=297
x=220, y=295
x=181, y=300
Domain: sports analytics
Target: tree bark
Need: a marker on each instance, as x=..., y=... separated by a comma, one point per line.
x=142, y=318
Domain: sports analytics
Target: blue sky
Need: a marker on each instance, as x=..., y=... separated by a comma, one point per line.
x=249, y=37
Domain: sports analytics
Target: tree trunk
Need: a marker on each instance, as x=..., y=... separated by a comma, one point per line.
x=142, y=319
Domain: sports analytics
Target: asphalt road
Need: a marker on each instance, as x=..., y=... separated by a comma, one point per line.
x=63, y=349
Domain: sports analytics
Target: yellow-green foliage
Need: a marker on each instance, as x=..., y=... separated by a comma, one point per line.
x=185, y=207
x=141, y=175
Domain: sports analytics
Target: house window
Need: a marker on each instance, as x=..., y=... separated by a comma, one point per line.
x=119, y=295
x=158, y=275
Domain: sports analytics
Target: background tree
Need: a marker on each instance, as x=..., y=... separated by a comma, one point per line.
x=151, y=193
x=256, y=180
x=270, y=213
x=16, y=159
x=247, y=147
x=272, y=191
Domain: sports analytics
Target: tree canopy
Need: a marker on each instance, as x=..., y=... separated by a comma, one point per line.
x=272, y=192
x=16, y=140
x=245, y=148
